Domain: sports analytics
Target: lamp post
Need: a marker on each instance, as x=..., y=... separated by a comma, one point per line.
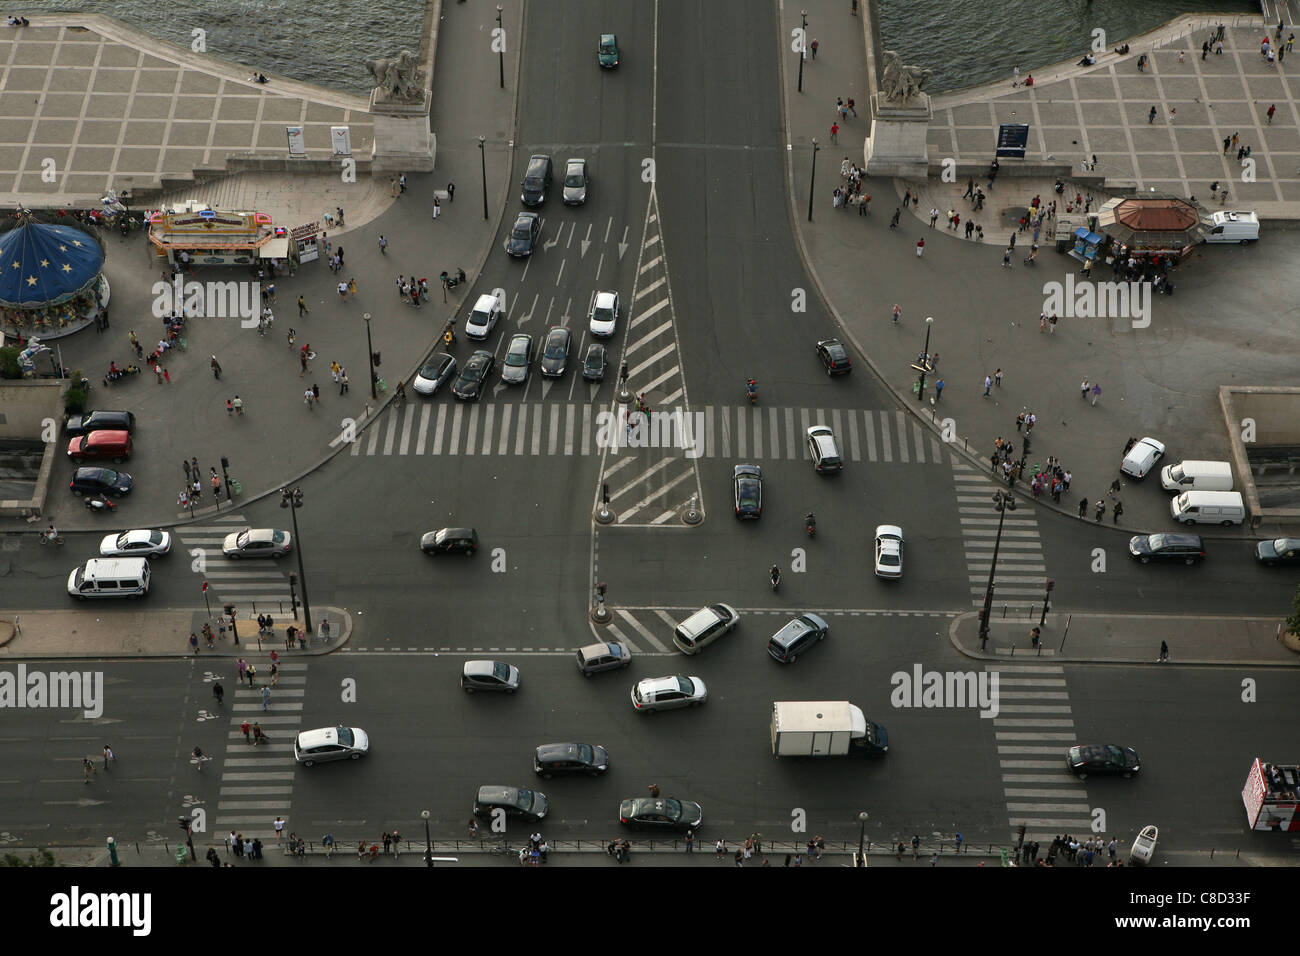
x=424, y=815
x=483, y=162
x=812, y=183
x=862, y=836
x=370, y=357
x=1003, y=501
x=501, y=53
x=291, y=498
x=803, y=45
x=924, y=363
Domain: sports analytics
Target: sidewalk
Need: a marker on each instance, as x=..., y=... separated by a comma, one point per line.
x=1160, y=381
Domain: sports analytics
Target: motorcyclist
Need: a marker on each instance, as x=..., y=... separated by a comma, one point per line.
x=811, y=520
x=751, y=387
x=776, y=576
x=51, y=534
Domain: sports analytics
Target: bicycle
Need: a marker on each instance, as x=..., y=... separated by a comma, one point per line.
x=46, y=537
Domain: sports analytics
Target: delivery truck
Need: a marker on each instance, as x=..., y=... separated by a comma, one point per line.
x=824, y=728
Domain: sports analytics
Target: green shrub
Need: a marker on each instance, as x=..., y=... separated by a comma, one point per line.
x=9, y=367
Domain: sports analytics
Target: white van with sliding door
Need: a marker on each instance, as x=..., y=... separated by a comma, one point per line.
x=110, y=578
x=1197, y=476
x=1242, y=227
x=1208, y=507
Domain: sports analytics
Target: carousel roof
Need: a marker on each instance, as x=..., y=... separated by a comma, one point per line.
x=1151, y=220
x=43, y=264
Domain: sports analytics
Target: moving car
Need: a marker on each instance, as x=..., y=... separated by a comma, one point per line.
x=469, y=385
x=704, y=627
x=531, y=805
x=537, y=180
x=1084, y=759
x=257, y=543
x=576, y=182
x=1278, y=551
x=889, y=551
x=666, y=693
x=524, y=235
x=593, y=366
x=799, y=635
x=100, y=481
x=482, y=319
x=1142, y=457
x=1187, y=548
x=434, y=373
x=450, y=541
x=825, y=450
x=519, y=356
x=330, y=743
x=607, y=54
x=654, y=813
x=99, y=420
x=566, y=760
x=605, y=656
x=834, y=357
x=489, y=675
x=748, y=481
x=555, y=351
x=136, y=544
x=603, y=316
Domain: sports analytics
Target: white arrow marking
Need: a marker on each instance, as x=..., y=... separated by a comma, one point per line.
x=586, y=243
x=622, y=246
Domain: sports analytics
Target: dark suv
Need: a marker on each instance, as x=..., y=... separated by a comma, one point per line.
x=537, y=180
x=100, y=481
x=99, y=420
x=1167, y=547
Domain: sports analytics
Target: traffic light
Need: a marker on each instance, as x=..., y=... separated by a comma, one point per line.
x=225, y=463
x=374, y=357
x=1051, y=584
x=604, y=492
x=293, y=578
x=230, y=610
x=184, y=824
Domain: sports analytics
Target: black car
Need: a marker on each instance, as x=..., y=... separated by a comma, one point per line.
x=515, y=801
x=1278, y=551
x=524, y=235
x=100, y=481
x=834, y=356
x=99, y=421
x=450, y=541
x=748, y=481
x=555, y=351
x=654, y=813
x=472, y=377
x=1167, y=547
x=568, y=759
x=1084, y=759
x=593, y=366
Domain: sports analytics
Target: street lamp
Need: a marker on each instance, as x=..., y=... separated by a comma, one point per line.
x=862, y=835
x=501, y=52
x=812, y=183
x=803, y=46
x=924, y=363
x=370, y=357
x=483, y=161
x=291, y=498
x=424, y=815
x=1003, y=501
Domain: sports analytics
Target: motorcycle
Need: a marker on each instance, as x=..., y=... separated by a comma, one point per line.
x=751, y=391
x=810, y=524
x=100, y=504
x=775, y=577
x=451, y=281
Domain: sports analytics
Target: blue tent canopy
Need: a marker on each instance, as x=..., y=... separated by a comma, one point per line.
x=43, y=264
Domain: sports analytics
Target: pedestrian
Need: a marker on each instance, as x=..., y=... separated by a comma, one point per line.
x=1117, y=511
x=1164, y=653
x=934, y=216
x=1051, y=324
x=266, y=696
x=230, y=409
x=451, y=192
x=343, y=381
x=1096, y=392
x=719, y=850
x=1151, y=117
x=258, y=734
x=1035, y=637
x=239, y=405
x=920, y=247
x=219, y=692
x=898, y=312
x=315, y=391
x=813, y=47
x=1100, y=509
x=1083, y=508
x=835, y=132
x=988, y=385
x=325, y=630
x=916, y=847
x=1271, y=110
x=437, y=208
x=654, y=790
x=1205, y=49
x=343, y=291
x=401, y=182
x=157, y=370
x=279, y=829
x=246, y=729
x=216, y=367
x=957, y=839
x=87, y=768
x=186, y=465
x=109, y=755
x=938, y=389
x=1172, y=113
x=352, y=286
x=397, y=842
x=393, y=188
x=1084, y=388
x=1006, y=258
x=194, y=642
x=242, y=667
x=388, y=841
x=849, y=105
x=997, y=378
x=252, y=675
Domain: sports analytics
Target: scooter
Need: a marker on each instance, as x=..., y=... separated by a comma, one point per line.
x=811, y=524
x=751, y=391
x=775, y=577
x=451, y=281
x=101, y=504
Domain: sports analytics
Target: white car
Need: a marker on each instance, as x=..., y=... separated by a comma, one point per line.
x=483, y=317
x=1142, y=457
x=433, y=374
x=604, y=314
x=136, y=544
x=889, y=551
x=824, y=449
x=665, y=693
x=257, y=543
x=330, y=743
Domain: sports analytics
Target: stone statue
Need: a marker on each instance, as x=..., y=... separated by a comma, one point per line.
x=396, y=77
x=900, y=83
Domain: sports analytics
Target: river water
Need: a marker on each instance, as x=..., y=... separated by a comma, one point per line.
x=965, y=42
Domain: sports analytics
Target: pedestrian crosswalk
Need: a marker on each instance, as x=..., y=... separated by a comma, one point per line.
x=254, y=586
x=1021, y=570
x=1033, y=730
x=257, y=780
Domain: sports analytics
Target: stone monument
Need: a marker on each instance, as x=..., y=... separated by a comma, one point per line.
x=900, y=120
x=400, y=105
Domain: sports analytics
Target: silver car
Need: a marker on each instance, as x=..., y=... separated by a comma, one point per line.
x=489, y=675
x=330, y=743
x=433, y=374
x=606, y=656
x=576, y=181
x=518, y=359
x=665, y=693
x=136, y=544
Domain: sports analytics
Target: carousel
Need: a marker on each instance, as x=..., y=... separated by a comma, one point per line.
x=51, y=283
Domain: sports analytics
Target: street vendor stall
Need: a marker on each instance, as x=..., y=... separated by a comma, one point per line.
x=193, y=234
x=1086, y=245
x=1153, y=226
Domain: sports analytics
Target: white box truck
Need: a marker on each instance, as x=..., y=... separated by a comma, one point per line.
x=824, y=728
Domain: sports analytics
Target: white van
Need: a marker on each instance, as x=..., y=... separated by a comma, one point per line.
x=1197, y=476
x=1208, y=507
x=110, y=578
x=1242, y=227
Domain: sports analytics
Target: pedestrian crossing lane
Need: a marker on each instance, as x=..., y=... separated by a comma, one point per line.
x=249, y=583
x=1022, y=569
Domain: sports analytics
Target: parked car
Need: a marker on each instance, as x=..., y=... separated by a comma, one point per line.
x=1084, y=759
x=482, y=319
x=531, y=805
x=518, y=360
x=593, y=366
x=489, y=675
x=136, y=544
x=654, y=813
x=889, y=551
x=114, y=446
x=1276, y=551
x=450, y=541
x=98, y=421
x=435, y=373
x=524, y=235
x=330, y=743
x=607, y=54
x=257, y=543
x=576, y=182
x=1187, y=548
x=834, y=357
x=602, y=318
x=555, y=351
x=804, y=632
x=605, y=656
x=825, y=450
x=747, y=481
x=1142, y=457
x=100, y=481
x=469, y=385
x=567, y=760
x=666, y=693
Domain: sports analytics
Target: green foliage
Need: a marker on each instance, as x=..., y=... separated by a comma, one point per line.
x=74, y=399
x=1293, y=622
x=46, y=858
x=9, y=367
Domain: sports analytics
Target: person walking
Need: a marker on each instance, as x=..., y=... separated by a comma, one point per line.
x=383, y=245
x=813, y=47
x=279, y=829
x=690, y=841
x=252, y=675
x=302, y=306
x=1083, y=508
x=1006, y=258
x=1084, y=386
x=1271, y=110
x=938, y=389
x=258, y=734
x=343, y=381
x=246, y=730
x=1164, y=653
x=266, y=691
x=898, y=313
x=216, y=367
x=835, y=132
x=719, y=850
x=1096, y=392
x=310, y=398
x=219, y=693
x=997, y=378
x=88, y=768
x=920, y=247
x=988, y=385
x=451, y=192
x=109, y=756
x=1100, y=509
x=1151, y=117
x=934, y=216
x=1117, y=511
x=239, y=405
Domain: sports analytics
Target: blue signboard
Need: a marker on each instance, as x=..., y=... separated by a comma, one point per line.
x=1012, y=139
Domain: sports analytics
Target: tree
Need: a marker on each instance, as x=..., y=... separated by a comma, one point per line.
x=1293, y=622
